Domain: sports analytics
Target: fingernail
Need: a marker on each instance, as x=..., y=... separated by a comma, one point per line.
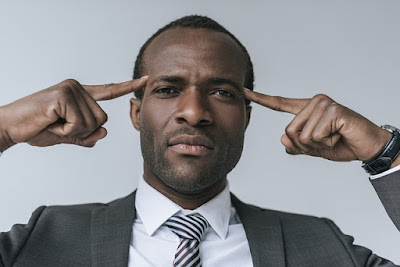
x=84, y=144
x=289, y=151
x=144, y=77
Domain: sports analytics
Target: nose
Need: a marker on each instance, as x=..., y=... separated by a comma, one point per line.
x=193, y=108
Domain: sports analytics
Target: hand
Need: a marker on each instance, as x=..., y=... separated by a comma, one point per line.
x=323, y=128
x=64, y=113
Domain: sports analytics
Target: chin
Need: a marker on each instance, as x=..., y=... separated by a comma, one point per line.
x=186, y=183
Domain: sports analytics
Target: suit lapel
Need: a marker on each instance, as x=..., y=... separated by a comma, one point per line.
x=112, y=229
x=264, y=233
x=111, y=232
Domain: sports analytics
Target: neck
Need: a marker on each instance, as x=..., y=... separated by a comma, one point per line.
x=188, y=201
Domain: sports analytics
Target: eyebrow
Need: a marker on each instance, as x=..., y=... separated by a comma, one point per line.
x=220, y=81
x=213, y=80
x=167, y=78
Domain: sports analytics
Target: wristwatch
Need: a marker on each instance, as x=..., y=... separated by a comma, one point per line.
x=384, y=160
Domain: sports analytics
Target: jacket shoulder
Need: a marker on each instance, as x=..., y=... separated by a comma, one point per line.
x=51, y=231
x=309, y=239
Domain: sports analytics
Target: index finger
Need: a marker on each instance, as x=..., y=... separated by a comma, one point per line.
x=278, y=103
x=114, y=90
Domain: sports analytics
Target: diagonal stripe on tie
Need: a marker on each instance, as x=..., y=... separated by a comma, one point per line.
x=190, y=229
x=187, y=227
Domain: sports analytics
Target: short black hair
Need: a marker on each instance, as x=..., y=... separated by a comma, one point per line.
x=194, y=22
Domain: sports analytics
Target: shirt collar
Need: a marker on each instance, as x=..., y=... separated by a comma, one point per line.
x=154, y=209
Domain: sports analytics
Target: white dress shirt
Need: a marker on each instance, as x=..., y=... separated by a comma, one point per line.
x=224, y=242
x=379, y=175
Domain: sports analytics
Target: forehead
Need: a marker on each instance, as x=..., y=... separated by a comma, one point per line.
x=199, y=52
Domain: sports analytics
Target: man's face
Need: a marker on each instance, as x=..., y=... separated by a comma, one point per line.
x=193, y=116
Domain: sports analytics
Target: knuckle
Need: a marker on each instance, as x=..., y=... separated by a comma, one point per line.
x=63, y=92
x=334, y=108
x=67, y=88
x=304, y=139
x=100, y=116
x=320, y=97
x=290, y=130
x=110, y=89
x=317, y=137
x=111, y=95
x=279, y=102
x=70, y=83
x=103, y=118
x=322, y=100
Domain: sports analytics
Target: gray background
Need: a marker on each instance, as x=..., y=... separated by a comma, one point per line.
x=348, y=50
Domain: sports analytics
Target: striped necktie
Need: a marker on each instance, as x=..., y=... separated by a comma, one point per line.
x=189, y=228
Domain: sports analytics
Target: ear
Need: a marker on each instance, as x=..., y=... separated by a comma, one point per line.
x=135, y=113
x=248, y=115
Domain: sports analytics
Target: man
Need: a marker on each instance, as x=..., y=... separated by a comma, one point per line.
x=192, y=110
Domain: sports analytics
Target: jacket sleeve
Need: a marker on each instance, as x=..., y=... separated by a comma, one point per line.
x=388, y=190
x=360, y=256
x=12, y=242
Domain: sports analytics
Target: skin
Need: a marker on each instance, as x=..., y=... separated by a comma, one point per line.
x=191, y=126
x=193, y=116
x=66, y=113
x=324, y=128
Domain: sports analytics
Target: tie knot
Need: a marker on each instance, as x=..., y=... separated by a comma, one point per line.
x=188, y=226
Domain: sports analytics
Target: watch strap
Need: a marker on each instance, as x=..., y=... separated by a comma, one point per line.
x=390, y=152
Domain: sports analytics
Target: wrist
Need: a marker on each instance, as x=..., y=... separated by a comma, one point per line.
x=5, y=140
x=379, y=144
x=396, y=162
x=388, y=157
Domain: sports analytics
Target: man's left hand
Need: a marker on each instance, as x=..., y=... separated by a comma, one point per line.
x=323, y=128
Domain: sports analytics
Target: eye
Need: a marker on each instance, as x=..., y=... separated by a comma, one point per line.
x=224, y=93
x=165, y=90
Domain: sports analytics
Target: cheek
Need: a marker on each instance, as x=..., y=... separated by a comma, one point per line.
x=232, y=119
x=155, y=118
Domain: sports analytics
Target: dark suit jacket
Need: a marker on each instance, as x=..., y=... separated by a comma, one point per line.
x=99, y=235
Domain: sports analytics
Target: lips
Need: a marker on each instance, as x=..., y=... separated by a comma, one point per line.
x=192, y=140
x=191, y=145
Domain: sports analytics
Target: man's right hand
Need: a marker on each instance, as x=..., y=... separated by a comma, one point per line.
x=64, y=113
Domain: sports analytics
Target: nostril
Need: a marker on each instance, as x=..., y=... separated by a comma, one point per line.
x=194, y=117
x=193, y=108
